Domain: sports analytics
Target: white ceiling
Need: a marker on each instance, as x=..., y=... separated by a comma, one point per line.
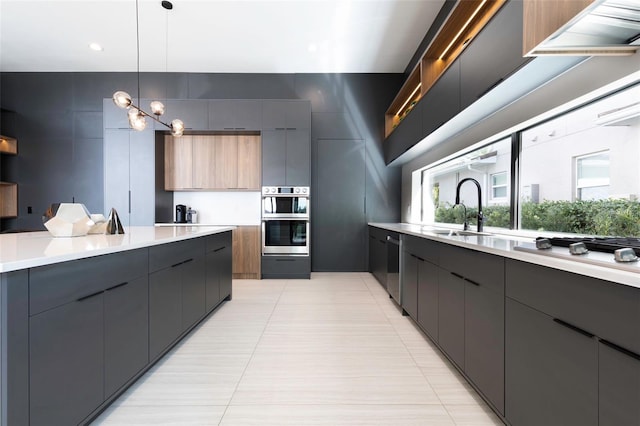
x=223, y=36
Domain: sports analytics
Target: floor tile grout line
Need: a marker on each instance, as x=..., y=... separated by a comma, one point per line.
x=286, y=283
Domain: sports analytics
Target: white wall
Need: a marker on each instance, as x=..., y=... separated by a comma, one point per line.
x=223, y=208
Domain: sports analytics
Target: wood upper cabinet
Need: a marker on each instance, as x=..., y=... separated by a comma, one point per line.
x=212, y=162
x=541, y=18
x=249, y=162
x=178, y=162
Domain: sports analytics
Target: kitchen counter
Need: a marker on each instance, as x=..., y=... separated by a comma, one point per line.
x=594, y=264
x=30, y=249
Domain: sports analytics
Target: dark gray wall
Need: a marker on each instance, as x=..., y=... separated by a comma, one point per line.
x=59, y=129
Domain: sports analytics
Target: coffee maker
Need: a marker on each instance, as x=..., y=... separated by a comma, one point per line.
x=181, y=213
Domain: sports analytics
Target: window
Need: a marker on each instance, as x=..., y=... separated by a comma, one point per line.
x=499, y=187
x=577, y=173
x=487, y=166
x=592, y=176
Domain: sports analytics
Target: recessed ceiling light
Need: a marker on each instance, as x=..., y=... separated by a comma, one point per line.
x=96, y=47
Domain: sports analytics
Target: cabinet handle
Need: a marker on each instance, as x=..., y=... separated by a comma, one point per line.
x=417, y=257
x=89, y=296
x=472, y=282
x=285, y=260
x=117, y=286
x=620, y=349
x=228, y=128
x=240, y=128
x=291, y=128
x=457, y=275
x=187, y=261
x=573, y=327
x=177, y=264
x=218, y=249
x=280, y=128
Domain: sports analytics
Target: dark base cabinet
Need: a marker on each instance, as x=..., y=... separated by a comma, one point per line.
x=219, y=270
x=286, y=267
x=451, y=315
x=76, y=334
x=550, y=371
x=619, y=390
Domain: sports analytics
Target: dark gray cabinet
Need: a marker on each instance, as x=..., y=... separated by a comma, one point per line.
x=482, y=65
x=192, y=278
x=378, y=255
x=407, y=134
x=286, y=114
x=451, y=315
x=442, y=102
x=165, y=310
x=285, y=267
x=66, y=350
x=409, y=293
x=194, y=113
x=129, y=158
x=176, y=291
x=551, y=370
x=126, y=332
x=219, y=270
x=619, y=386
x=571, y=345
x=235, y=114
x=286, y=157
x=428, y=298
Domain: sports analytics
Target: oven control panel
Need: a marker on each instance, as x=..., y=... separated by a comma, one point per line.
x=285, y=190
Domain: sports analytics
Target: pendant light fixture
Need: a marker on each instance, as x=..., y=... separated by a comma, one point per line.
x=137, y=116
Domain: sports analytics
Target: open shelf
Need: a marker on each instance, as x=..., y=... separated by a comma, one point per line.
x=8, y=145
x=8, y=199
x=463, y=24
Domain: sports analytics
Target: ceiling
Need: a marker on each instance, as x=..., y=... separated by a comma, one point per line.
x=214, y=36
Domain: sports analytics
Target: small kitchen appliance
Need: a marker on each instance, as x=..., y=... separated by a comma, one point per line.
x=181, y=213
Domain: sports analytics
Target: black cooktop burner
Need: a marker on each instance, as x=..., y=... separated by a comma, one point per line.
x=604, y=244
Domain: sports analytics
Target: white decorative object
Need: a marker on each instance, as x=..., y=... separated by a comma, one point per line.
x=100, y=226
x=70, y=220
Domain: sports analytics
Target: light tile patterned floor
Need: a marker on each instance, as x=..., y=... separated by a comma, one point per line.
x=333, y=350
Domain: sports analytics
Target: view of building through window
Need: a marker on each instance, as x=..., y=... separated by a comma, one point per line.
x=578, y=173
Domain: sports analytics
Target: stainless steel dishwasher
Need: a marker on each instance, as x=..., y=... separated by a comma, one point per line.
x=393, y=266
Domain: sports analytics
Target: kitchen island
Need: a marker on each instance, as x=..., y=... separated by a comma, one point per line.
x=544, y=338
x=82, y=318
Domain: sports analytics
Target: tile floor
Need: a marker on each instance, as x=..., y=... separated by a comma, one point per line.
x=332, y=350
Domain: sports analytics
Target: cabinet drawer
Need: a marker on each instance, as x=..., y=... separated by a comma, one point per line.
x=172, y=254
x=609, y=310
x=482, y=268
x=425, y=249
x=276, y=266
x=55, y=285
x=218, y=241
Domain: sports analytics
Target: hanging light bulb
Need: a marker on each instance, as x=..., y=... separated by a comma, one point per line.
x=157, y=107
x=137, y=117
x=177, y=127
x=137, y=120
x=122, y=99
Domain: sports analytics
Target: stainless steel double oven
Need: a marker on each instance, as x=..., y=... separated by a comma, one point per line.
x=285, y=220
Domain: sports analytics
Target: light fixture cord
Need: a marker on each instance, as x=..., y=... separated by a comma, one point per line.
x=138, y=48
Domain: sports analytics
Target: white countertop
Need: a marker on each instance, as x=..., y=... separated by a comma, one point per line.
x=31, y=249
x=594, y=264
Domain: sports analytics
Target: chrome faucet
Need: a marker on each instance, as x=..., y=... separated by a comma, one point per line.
x=480, y=215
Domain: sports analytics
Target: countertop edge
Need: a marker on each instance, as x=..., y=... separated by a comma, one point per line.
x=614, y=275
x=42, y=260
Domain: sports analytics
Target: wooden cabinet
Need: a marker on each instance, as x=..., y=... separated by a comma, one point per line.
x=8, y=190
x=212, y=162
x=542, y=18
x=246, y=252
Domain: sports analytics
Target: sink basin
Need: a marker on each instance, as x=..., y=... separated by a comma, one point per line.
x=456, y=233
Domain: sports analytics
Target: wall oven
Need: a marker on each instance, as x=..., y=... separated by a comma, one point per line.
x=285, y=221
